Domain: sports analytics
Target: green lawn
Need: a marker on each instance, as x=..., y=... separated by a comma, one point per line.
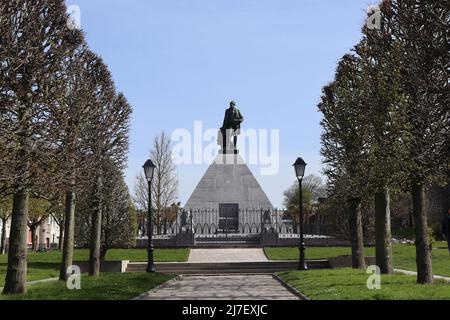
x=139, y=255
x=46, y=264
x=350, y=284
x=109, y=286
x=312, y=253
x=404, y=255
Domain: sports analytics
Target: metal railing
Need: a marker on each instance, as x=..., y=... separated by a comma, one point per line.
x=250, y=226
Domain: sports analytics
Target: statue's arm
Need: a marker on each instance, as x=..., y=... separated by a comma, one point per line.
x=241, y=117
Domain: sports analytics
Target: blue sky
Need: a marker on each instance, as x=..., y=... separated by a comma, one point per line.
x=180, y=61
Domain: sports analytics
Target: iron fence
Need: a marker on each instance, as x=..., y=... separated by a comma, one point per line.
x=251, y=226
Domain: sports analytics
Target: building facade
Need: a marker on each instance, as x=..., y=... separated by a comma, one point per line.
x=47, y=234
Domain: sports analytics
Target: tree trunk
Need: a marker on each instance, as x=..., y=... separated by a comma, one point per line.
x=103, y=251
x=68, y=242
x=61, y=235
x=33, y=237
x=3, y=240
x=356, y=234
x=411, y=219
x=383, y=237
x=96, y=235
x=105, y=245
x=423, y=248
x=94, y=255
x=16, y=275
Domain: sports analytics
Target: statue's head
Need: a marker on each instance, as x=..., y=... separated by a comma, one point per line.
x=233, y=104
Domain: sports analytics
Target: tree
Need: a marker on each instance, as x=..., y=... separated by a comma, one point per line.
x=38, y=212
x=425, y=70
x=313, y=189
x=72, y=118
x=107, y=141
x=5, y=214
x=61, y=124
x=419, y=30
x=34, y=37
x=164, y=184
x=387, y=111
x=291, y=197
x=334, y=210
x=119, y=215
x=57, y=213
x=385, y=125
x=344, y=144
x=315, y=185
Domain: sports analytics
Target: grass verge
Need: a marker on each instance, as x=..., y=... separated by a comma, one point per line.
x=43, y=265
x=404, y=255
x=108, y=286
x=350, y=284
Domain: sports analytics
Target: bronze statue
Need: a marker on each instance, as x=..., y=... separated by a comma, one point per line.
x=231, y=128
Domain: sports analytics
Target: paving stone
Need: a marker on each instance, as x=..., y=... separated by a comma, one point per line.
x=226, y=287
x=227, y=255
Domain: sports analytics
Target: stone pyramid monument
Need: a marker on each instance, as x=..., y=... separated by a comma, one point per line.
x=228, y=195
x=228, y=180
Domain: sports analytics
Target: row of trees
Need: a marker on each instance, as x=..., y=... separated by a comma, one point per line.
x=386, y=123
x=119, y=220
x=63, y=130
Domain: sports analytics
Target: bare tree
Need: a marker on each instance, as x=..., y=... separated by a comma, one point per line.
x=107, y=141
x=72, y=119
x=315, y=185
x=61, y=124
x=38, y=213
x=57, y=213
x=35, y=37
x=386, y=119
x=164, y=184
x=119, y=215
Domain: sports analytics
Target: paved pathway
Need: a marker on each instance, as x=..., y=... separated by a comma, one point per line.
x=225, y=287
x=222, y=287
x=227, y=255
x=412, y=273
x=36, y=282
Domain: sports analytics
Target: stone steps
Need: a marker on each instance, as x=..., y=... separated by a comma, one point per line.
x=230, y=240
x=228, y=246
x=227, y=267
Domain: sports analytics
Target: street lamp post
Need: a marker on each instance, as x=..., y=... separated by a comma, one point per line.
x=149, y=169
x=300, y=166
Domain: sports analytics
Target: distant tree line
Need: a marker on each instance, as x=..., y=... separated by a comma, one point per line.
x=386, y=124
x=312, y=191
x=63, y=135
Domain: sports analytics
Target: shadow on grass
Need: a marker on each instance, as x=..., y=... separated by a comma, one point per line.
x=109, y=286
x=35, y=271
x=43, y=266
